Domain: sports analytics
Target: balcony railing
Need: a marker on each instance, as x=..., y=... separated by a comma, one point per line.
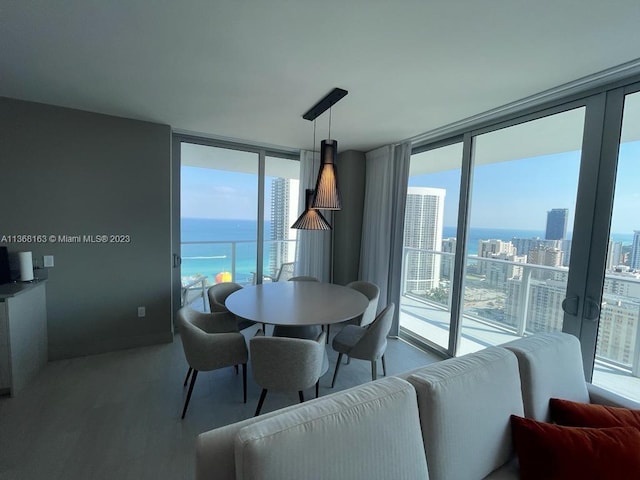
x=517, y=299
x=235, y=259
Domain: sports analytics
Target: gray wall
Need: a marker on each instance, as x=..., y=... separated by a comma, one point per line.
x=65, y=171
x=347, y=223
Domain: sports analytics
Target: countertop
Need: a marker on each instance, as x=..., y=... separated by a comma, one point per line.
x=9, y=290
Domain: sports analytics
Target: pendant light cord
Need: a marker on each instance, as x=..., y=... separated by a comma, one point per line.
x=330, y=120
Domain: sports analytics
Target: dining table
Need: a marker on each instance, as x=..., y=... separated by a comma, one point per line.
x=297, y=304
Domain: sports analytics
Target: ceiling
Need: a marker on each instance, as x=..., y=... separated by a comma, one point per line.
x=248, y=69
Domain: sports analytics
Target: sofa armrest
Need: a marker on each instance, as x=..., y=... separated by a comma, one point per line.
x=605, y=397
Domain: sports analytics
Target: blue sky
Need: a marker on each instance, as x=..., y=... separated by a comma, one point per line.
x=518, y=194
x=515, y=194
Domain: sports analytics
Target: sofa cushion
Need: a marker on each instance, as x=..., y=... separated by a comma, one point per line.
x=575, y=414
x=370, y=432
x=550, y=366
x=465, y=404
x=554, y=452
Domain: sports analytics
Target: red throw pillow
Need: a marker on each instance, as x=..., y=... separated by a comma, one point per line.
x=554, y=452
x=574, y=414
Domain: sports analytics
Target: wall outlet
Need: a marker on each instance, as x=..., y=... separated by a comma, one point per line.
x=48, y=260
x=141, y=312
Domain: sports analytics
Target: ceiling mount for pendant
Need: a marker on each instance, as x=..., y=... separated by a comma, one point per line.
x=325, y=103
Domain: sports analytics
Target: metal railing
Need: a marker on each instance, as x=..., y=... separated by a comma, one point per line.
x=523, y=298
x=236, y=257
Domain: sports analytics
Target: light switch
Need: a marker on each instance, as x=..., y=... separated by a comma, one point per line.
x=48, y=260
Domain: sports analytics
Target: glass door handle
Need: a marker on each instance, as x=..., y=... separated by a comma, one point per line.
x=591, y=309
x=177, y=260
x=570, y=305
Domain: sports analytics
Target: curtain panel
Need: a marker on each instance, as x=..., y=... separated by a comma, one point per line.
x=314, y=246
x=387, y=175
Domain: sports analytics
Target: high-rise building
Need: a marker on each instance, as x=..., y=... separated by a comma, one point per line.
x=423, y=231
x=283, y=211
x=614, y=255
x=547, y=256
x=496, y=249
x=448, y=246
x=634, y=261
x=557, y=223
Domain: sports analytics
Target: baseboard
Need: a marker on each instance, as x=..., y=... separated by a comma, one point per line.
x=71, y=350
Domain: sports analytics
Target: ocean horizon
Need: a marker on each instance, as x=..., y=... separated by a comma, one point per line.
x=215, y=256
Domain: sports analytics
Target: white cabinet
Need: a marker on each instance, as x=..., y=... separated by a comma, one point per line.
x=23, y=334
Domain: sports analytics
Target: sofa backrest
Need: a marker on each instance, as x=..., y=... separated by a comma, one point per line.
x=550, y=366
x=371, y=427
x=465, y=404
x=369, y=432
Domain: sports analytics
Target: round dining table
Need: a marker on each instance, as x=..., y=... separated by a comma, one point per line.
x=299, y=304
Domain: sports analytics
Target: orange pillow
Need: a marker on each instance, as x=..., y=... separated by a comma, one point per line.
x=554, y=452
x=565, y=412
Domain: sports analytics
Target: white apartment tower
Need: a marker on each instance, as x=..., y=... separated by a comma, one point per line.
x=634, y=261
x=423, y=231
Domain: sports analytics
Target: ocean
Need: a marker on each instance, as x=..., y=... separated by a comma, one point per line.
x=215, y=256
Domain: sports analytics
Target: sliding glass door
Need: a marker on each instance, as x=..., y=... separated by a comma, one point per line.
x=541, y=243
x=617, y=354
x=520, y=229
x=235, y=207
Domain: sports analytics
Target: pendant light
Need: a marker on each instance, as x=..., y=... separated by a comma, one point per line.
x=311, y=219
x=327, y=193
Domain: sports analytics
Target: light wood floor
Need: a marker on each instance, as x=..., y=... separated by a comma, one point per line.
x=117, y=415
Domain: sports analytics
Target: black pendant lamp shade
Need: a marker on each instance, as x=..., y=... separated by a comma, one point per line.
x=311, y=219
x=327, y=192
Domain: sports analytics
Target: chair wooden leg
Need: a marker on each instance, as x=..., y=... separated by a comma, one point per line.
x=236, y=368
x=244, y=381
x=193, y=381
x=186, y=379
x=374, y=370
x=263, y=395
x=301, y=396
x=335, y=374
x=384, y=366
x=317, y=388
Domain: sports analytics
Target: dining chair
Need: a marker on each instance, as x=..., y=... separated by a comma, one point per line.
x=218, y=293
x=365, y=343
x=287, y=364
x=211, y=341
x=372, y=292
x=303, y=278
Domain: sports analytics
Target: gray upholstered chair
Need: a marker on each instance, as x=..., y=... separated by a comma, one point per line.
x=287, y=364
x=218, y=293
x=211, y=341
x=303, y=278
x=372, y=292
x=365, y=343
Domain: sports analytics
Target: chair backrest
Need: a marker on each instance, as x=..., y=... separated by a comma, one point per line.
x=303, y=278
x=372, y=292
x=208, y=351
x=374, y=342
x=285, y=272
x=218, y=293
x=288, y=364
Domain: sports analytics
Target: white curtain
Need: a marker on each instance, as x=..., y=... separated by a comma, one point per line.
x=313, y=255
x=387, y=175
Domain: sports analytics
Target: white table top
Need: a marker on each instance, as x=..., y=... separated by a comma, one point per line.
x=297, y=303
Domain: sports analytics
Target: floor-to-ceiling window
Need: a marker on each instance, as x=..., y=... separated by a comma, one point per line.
x=531, y=239
x=236, y=206
x=617, y=364
x=431, y=218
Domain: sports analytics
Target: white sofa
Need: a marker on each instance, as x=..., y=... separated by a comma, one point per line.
x=445, y=421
